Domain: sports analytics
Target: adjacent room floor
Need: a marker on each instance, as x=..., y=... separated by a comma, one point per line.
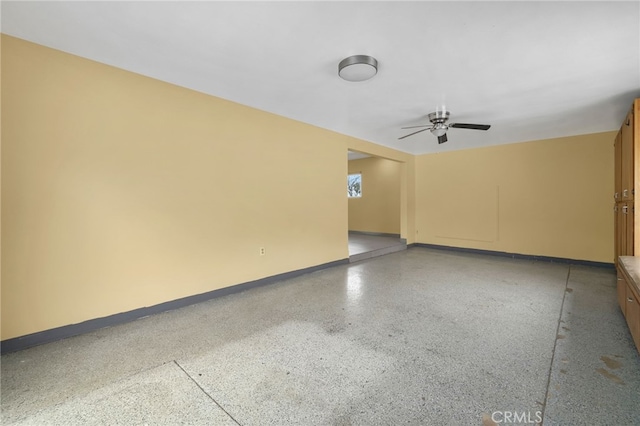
x=364, y=246
x=418, y=337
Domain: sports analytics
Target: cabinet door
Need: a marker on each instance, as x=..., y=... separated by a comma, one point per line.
x=617, y=145
x=621, y=229
x=620, y=226
x=616, y=235
x=628, y=237
x=622, y=293
x=626, y=168
x=633, y=316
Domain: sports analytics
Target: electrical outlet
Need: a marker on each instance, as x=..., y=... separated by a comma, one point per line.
x=262, y=251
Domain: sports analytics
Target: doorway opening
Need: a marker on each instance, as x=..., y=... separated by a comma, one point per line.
x=373, y=190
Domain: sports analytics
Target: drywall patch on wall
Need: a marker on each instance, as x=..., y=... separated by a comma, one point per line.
x=474, y=218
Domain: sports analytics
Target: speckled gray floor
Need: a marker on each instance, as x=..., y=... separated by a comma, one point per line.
x=418, y=337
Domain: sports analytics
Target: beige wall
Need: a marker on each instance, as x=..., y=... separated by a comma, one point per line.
x=120, y=191
x=550, y=198
x=378, y=210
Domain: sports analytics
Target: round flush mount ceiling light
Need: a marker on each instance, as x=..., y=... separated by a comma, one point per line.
x=358, y=68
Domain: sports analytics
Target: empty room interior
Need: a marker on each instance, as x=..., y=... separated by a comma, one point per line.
x=320, y=213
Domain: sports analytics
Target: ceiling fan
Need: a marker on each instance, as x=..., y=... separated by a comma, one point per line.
x=439, y=126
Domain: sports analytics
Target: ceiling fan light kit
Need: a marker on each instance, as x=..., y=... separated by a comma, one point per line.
x=439, y=126
x=358, y=68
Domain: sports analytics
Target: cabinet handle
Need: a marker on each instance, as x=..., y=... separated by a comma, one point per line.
x=615, y=196
x=625, y=192
x=628, y=122
x=630, y=300
x=624, y=209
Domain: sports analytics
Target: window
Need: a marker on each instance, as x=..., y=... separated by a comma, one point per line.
x=354, y=185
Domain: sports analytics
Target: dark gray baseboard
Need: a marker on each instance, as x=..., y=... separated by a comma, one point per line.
x=379, y=252
x=516, y=255
x=375, y=234
x=59, y=333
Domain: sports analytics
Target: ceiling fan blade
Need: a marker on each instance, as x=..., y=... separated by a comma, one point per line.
x=411, y=134
x=470, y=126
x=442, y=139
x=415, y=127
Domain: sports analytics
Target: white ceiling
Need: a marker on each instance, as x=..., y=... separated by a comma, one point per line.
x=533, y=70
x=352, y=155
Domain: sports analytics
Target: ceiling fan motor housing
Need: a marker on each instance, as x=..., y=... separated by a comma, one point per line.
x=439, y=120
x=438, y=117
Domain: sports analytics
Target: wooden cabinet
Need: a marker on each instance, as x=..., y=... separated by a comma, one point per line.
x=629, y=294
x=626, y=225
x=627, y=161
